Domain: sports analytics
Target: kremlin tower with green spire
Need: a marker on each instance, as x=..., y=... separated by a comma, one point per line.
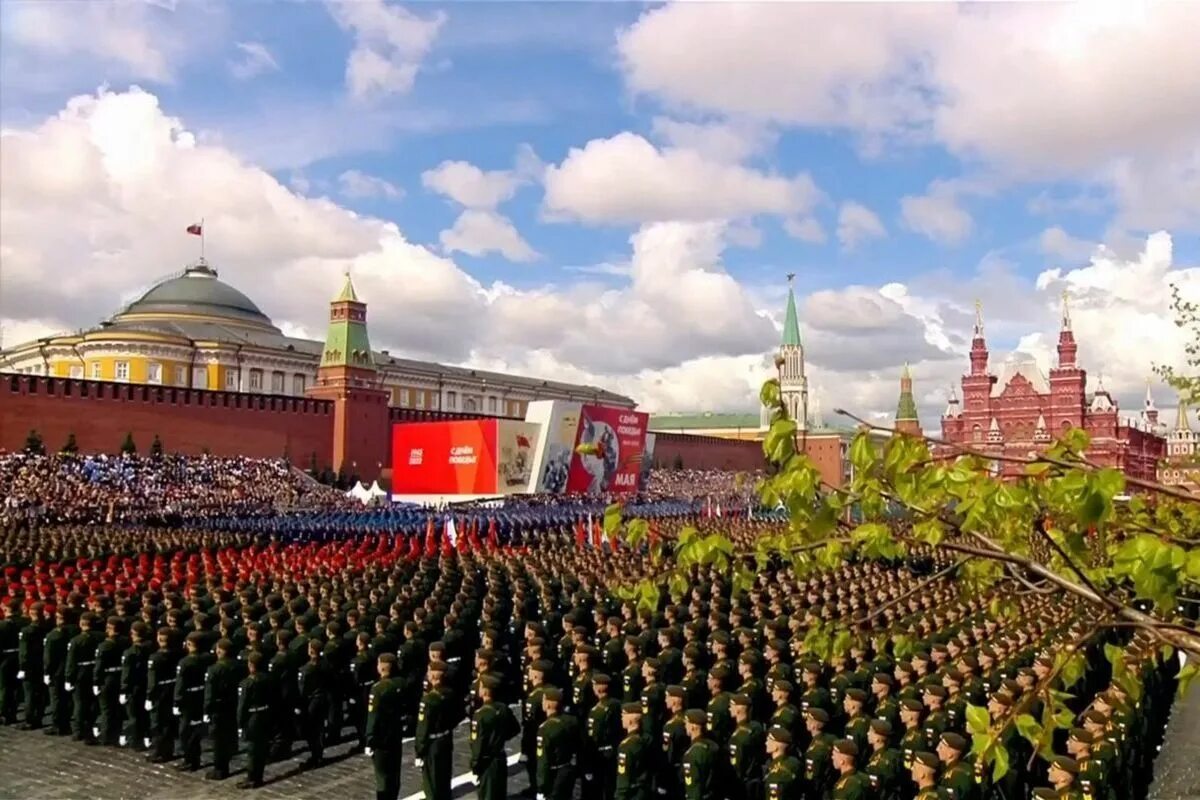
x=793, y=382
x=907, y=420
x=347, y=375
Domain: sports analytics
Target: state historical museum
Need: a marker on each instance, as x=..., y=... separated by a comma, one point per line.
x=1022, y=412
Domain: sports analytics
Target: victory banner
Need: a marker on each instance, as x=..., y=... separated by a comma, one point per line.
x=456, y=457
x=619, y=437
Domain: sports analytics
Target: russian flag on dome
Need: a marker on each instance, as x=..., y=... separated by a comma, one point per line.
x=196, y=229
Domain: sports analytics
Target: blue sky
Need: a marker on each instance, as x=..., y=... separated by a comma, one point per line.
x=951, y=152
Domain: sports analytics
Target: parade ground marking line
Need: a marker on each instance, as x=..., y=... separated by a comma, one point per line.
x=462, y=780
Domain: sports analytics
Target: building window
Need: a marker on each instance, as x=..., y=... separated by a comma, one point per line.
x=256, y=378
x=451, y=401
x=276, y=383
x=232, y=379
x=199, y=377
x=420, y=399
x=77, y=371
x=154, y=372
x=469, y=404
x=97, y=368
x=121, y=370
x=297, y=384
x=181, y=376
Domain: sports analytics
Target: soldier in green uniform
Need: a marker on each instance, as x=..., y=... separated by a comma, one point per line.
x=220, y=708
x=315, y=681
x=956, y=774
x=885, y=703
x=491, y=726
x=850, y=783
x=700, y=760
x=924, y=774
x=1063, y=770
x=1092, y=784
x=814, y=695
x=857, y=722
x=80, y=676
x=435, y=724
x=674, y=744
x=817, y=756
x=884, y=767
x=634, y=757
x=385, y=728
x=602, y=735
x=557, y=749
x=10, y=684
x=134, y=668
x=160, y=696
x=30, y=652
x=255, y=695
x=937, y=721
x=745, y=751
x=107, y=682
x=913, y=739
x=54, y=670
x=783, y=772
x=695, y=680
x=189, y=699
x=719, y=722
x=785, y=714
x=533, y=715
x=631, y=677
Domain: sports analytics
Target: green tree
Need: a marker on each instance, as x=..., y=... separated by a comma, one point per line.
x=71, y=446
x=1052, y=522
x=128, y=447
x=156, y=447
x=1185, y=380
x=34, y=444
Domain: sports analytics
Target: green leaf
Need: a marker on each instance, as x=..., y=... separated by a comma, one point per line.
x=1000, y=765
x=1186, y=675
x=780, y=443
x=612, y=519
x=768, y=395
x=1038, y=468
x=1073, y=670
x=977, y=719
x=1029, y=728
x=862, y=452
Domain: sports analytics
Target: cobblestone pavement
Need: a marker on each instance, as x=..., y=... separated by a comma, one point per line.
x=38, y=767
x=1177, y=768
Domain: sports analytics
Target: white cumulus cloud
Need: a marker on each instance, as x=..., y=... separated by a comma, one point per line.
x=390, y=42
x=478, y=233
x=857, y=224
x=255, y=59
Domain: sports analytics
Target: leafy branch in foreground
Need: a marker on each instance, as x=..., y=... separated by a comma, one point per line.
x=1064, y=524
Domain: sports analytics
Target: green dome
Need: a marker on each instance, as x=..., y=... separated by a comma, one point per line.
x=198, y=292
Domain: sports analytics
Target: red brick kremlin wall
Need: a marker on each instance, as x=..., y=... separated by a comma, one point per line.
x=101, y=413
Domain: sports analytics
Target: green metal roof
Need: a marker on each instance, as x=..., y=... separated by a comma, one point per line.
x=198, y=292
x=347, y=294
x=791, y=323
x=704, y=421
x=906, y=408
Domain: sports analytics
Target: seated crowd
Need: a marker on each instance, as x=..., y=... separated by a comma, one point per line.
x=165, y=640
x=70, y=488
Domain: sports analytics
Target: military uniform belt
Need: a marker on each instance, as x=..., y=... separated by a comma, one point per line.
x=608, y=748
x=86, y=663
x=164, y=683
x=10, y=650
x=563, y=765
x=111, y=670
x=196, y=689
x=256, y=709
x=439, y=735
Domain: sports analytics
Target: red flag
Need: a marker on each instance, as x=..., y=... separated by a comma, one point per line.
x=580, y=534
x=654, y=536
x=475, y=543
x=430, y=541
x=597, y=535
x=522, y=441
x=196, y=229
x=493, y=536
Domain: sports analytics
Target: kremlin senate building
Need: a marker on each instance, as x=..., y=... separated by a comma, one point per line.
x=196, y=331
